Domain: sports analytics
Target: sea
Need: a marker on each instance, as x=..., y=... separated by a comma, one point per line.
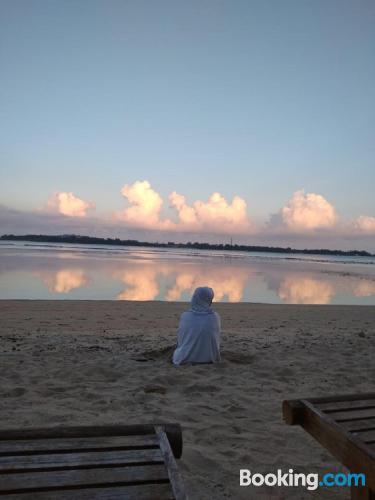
x=89, y=272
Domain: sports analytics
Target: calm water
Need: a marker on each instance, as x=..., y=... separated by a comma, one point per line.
x=64, y=271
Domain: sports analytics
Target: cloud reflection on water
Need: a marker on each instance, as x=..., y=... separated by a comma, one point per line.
x=157, y=276
x=143, y=282
x=364, y=288
x=305, y=290
x=65, y=280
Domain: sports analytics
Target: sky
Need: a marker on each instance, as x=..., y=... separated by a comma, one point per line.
x=205, y=119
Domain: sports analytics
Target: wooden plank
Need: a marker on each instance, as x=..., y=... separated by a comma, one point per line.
x=81, y=431
x=174, y=435
x=343, y=405
x=343, y=397
x=359, y=414
x=293, y=411
x=162, y=491
x=42, y=462
x=365, y=436
x=25, y=446
x=170, y=463
x=80, y=478
x=351, y=452
x=172, y=429
x=363, y=424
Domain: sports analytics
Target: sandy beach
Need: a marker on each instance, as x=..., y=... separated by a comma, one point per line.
x=97, y=362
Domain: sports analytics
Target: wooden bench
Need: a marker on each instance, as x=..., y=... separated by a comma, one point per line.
x=345, y=425
x=91, y=463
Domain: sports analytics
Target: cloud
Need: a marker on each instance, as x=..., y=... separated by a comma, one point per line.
x=216, y=215
x=307, y=212
x=366, y=224
x=187, y=215
x=68, y=204
x=306, y=220
x=145, y=206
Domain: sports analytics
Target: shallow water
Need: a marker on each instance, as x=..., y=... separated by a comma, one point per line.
x=66, y=271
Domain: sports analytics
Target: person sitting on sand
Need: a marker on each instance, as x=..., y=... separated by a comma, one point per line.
x=198, y=336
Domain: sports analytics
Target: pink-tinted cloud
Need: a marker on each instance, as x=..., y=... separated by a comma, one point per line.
x=366, y=224
x=304, y=215
x=216, y=215
x=68, y=204
x=306, y=220
x=145, y=207
x=307, y=212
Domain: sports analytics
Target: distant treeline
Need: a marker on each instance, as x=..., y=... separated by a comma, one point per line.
x=91, y=240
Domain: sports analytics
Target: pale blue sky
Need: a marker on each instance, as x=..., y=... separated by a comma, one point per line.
x=254, y=98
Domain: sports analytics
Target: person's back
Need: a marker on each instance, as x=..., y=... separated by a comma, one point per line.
x=198, y=337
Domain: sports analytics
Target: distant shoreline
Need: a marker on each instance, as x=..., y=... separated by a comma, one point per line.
x=92, y=240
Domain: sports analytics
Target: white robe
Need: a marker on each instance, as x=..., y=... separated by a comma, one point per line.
x=198, y=336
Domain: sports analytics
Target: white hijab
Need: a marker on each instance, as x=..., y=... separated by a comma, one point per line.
x=201, y=300
x=198, y=336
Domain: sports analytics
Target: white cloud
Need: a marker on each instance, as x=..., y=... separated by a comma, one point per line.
x=187, y=215
x=145, y=206
x=306, y=220
x=366, y=224
x=68, y=204
x=308, y=211
x=216, y=215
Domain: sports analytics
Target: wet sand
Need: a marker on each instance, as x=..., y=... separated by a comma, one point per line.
x=103, y=362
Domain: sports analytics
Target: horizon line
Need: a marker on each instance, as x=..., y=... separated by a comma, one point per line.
x=98, y=240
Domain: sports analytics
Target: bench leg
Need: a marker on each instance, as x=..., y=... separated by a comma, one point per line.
x=362, y=493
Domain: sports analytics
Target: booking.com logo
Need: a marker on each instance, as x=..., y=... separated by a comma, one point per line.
x=310, y=481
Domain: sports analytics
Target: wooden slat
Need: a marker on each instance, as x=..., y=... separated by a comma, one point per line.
x=170, y=462
x=81, y=431
x=366, y=436
x=344, y=397
x=346, y=405
x=77, y=444
x=43, y=462
x=80, y=478
x=359, y=414
x=363, y=424
x=161, y=491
